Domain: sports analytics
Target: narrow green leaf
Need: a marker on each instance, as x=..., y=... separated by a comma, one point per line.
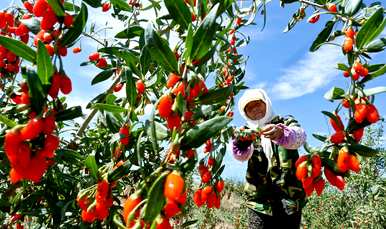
x=204, y=35
x=18, y=48
x=108, y=107
x=322, y=36
x=131, y=90
x=6, y=121
x=102, y=76
x=334, y=93
x=179, y=12
x=371, y=29
x=374, y=90
x=131, y=32
x=376, y=45
x=159, y=50
x=363, y=150
x=36, y=92
x=57, y=7
x=342, y=67
x=119, y=172
x=74, y=32
x=121, y=4
x=69, y=114
x=71, y=7
x=93, y=3
x=45, y=68
x=161, y=131
x=351, y=7
x=375, y=74
x=196, y=136
x=91, y=164
x=189, y=223
x=216, y=95
x=188, y=42
x=156, y=199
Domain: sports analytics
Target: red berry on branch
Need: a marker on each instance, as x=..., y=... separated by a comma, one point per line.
x=106, y=6
x=102, y=63
x=94, y=56
x=76, y=50
x=140, y=87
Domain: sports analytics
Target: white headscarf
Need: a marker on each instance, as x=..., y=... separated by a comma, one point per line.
x=253, y=95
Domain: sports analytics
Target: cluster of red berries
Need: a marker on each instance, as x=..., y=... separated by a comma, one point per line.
x=60, y=81
x=98, y=209
x=211, y=195
x=51, y=25
x=99, y=61
x=30, y=161
x=308, y=171
x=356, y=71
x=9, y=25
x=179, y=87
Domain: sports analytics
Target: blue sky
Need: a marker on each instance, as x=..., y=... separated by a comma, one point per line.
x=280, y=62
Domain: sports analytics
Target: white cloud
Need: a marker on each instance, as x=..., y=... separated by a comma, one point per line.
x=308, y=74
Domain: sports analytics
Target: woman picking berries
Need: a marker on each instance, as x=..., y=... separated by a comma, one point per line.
x=275, y=196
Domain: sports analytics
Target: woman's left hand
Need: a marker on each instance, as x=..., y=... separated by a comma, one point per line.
x=272, y=132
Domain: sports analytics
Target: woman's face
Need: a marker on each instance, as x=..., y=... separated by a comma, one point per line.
x=255, y=110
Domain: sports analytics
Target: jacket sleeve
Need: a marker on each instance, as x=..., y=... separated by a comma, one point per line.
x=293, y=135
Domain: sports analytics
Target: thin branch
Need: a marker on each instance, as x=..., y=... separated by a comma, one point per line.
x=94, y=111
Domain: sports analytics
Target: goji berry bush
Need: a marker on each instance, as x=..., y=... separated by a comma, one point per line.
x=126, y=169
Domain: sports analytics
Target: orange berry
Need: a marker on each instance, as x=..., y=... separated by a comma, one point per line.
x=174, y=186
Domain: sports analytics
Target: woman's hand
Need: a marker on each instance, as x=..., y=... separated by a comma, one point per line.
x=272, y=132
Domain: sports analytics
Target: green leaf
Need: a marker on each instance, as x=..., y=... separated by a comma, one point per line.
x=18, y=48
x=159, y=50
x=36, y=92
x=217, y=95
x=343, y=67
x=188, y=42
x=156, y=199
x=145, y=60
x=374, y=90
x=57, y=7
x=6, y=121
x=189, y=223
x=362, y=150
x=119, y=172
x=179, y=12
x=44, y=66
x=102, y=76
x=108, y=107
x=371, y=29
x=204, y=35
x=69, y=156
x=375, y=74
x=131, y=32
x=196, y=136
x=71, y=7
x=91, y=164
x=69, y=114
x=334, y=117
x=334, y=93
x=376, y=45
x=131, y=90
x=121, y=4
x=161, y=131
x=74, y=32
x=93, y=3
x=322, y=36
x=32, y=24
x=351, y=7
